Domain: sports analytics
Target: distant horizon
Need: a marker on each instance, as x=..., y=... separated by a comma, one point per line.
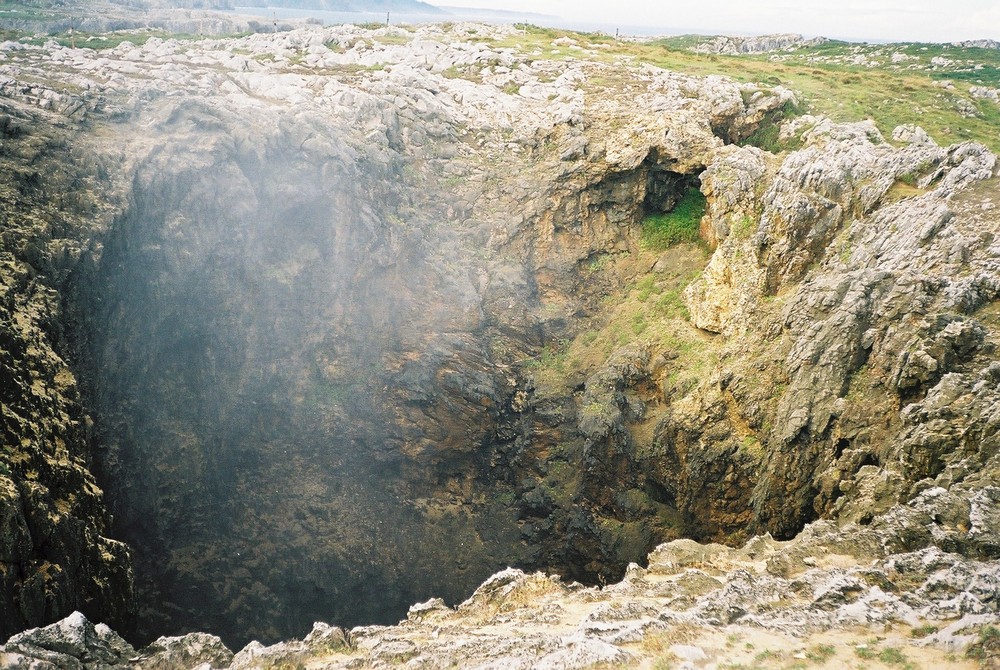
x=849, y=20
x=456, y=11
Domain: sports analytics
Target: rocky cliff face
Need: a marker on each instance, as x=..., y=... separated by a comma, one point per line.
x=55, y=550
x=362, y=317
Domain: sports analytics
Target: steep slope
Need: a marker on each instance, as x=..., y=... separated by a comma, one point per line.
x=368, y=316
x=56, y=554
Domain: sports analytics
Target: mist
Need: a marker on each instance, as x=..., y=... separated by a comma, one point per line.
x=261, y=355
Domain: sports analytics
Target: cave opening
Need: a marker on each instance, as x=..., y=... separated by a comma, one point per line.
x=666, y=187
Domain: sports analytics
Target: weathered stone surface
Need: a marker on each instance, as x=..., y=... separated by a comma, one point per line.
x=71, y=644
x=724, y=44
x=186, y=651
x=55, y=555
x=331, y=288
x=694, y=601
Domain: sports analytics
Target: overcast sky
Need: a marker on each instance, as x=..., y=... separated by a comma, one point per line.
x=885, y=20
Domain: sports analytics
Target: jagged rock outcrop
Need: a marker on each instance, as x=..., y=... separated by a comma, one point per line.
x=985, y=92
x=734, y=46
x=73, y=642
x=364, y=317
x=703, y=605
x=979, y=44
x=882, y=265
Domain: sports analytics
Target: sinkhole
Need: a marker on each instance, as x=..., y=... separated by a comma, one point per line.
x=302, y=407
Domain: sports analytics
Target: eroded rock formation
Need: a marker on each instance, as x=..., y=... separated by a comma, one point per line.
x=56, y=554
x=360, y=318
x=767, y=603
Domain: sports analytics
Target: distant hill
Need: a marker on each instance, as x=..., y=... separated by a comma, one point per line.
x=409, y=6
x=493, y=13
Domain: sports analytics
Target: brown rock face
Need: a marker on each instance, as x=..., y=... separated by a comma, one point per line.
x=55, y=553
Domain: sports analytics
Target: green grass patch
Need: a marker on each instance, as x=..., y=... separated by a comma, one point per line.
x=767, y=136
x=552, y=357
x=650, y=310
x=670, y=304
x=388, y=40
x=826, y=78
x=683, y=41
x=744, y=228
x=821, y=653
x=768, y=655
x=469, y=72
x=511, y=88
x=893, y=656
x=923, y=631
x=646, y=287
x=20, y=11
x=681, y=224
x=865, y=652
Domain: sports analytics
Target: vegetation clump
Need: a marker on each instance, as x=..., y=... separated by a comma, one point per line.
x=681, y=224
x=767, y=136
x=987, y=646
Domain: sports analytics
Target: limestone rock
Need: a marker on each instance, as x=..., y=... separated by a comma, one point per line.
x=834, y=577
x=72, y=643
x=757, y=44
x=187, y=651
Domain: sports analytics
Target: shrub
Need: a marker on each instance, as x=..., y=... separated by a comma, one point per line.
x=893, y=656
x=821, y=653
x=987, y=646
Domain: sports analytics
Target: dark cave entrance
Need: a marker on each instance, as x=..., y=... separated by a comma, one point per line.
x=665, y=187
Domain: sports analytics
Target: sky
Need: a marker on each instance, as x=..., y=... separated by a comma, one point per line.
x=872, y=20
